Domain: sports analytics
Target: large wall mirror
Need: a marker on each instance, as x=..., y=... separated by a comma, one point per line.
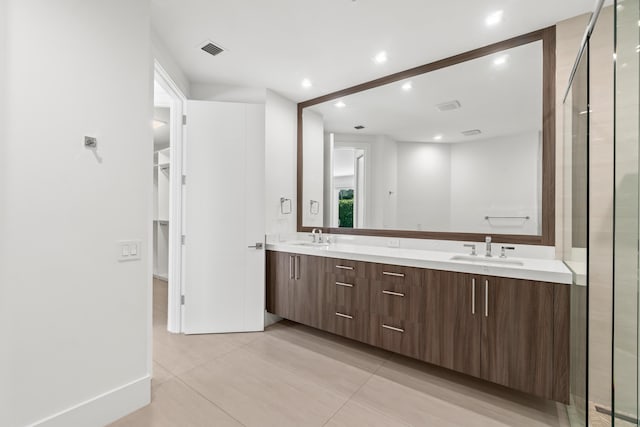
x=457, y=149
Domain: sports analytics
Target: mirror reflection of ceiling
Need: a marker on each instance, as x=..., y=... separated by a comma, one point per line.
x=161, y=133
x=499, y=94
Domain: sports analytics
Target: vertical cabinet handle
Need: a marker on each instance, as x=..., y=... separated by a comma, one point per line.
x=297, y=267
x=290, y=266
x=473, y=296
x=486, y=298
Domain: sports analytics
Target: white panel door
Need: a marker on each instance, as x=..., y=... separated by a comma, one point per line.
x=224, y=216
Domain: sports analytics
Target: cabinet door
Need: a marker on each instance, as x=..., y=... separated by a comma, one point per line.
x=280, y=273
x=306, y=285
x=517, y=334
x=453, y=325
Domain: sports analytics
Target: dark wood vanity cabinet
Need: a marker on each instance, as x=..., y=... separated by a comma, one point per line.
x=294, y=287
x=508, y=331
x=518, y=334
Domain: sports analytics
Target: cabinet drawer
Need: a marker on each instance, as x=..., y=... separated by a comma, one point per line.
x=349, y=293
x=399, y=336
x=395, y=274
x=398, y=300
x=350, y=324
x=346, y=268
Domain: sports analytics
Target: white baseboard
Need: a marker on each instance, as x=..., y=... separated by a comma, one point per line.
x=270, y=319
x=103, y=409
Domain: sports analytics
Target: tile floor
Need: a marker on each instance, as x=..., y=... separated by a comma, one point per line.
x=292, y=375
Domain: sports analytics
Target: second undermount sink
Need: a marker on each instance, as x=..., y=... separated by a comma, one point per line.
x=478, y=259
x=311, y=244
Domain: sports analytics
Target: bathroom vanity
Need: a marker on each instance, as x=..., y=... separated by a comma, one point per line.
x=504, y=321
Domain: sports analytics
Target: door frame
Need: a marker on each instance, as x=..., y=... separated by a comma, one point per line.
x=176, y=225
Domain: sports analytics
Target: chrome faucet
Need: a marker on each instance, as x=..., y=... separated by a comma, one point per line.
x=487, y=240
x=503, y=253
x=313, y=234
x=473, y=248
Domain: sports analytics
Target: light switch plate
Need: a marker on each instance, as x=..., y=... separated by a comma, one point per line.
x=128, y=250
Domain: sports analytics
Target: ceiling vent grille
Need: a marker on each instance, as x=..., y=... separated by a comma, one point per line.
x=212, y=49
x=448, y=106
x=472, y=132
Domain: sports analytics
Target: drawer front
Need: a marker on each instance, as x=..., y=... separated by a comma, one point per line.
x=350, y=293
x=346, y=268
x=395, y=274
x=399, y=336
x=350, y=324
x=398, y=300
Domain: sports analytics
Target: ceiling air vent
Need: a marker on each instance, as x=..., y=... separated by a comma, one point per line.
x=212, y=49
x=472, y=132
x=359, y=127
x=448, y=106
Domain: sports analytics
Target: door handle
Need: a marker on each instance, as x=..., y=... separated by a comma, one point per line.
x=473, y=296
x=258, y=245
x=486, y=298
x=297, y=267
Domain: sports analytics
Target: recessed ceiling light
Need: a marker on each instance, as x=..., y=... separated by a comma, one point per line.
x=437, y=137
x=500, y=60
x=340, y=104
x=407, y=86
x=306, y=83
x=494, y=18
x=380, y=58
x=158, y=124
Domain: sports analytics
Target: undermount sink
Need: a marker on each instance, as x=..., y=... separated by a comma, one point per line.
x=311, y=244
x=486, y=260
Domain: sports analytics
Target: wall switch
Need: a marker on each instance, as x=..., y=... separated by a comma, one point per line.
x=128, y=250
x=393, y=243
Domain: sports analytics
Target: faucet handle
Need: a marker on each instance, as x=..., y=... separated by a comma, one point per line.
x=503, y=253
x=472, y=246
x=487, y=239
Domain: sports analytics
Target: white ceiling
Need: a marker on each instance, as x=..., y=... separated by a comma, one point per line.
x=499, y=100
x=275, y=44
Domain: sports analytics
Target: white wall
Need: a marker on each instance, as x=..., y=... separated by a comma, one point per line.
x=385, y=184
x=496, y=177
x=80, y=320
x=162, y=55
x=313, y=160
x=424, y=186
x=228, y=93
x=280, y=162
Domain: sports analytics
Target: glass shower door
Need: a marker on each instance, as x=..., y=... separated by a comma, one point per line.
x=627, y=215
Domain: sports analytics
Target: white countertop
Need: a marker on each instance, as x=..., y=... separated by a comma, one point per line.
x=544, y=270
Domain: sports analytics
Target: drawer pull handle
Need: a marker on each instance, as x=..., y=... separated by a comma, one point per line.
x=344, y=267
x=346, y=285
x=346, y=316
x=388, y=273
x=395, y=294
x=392, y=328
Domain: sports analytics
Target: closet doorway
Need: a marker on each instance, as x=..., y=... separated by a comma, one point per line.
x=167, y=223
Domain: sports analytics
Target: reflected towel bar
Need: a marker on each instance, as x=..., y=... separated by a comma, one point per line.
x=506, y=217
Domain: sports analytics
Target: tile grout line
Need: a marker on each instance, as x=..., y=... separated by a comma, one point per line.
x=359, y=388
x=186, y=384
